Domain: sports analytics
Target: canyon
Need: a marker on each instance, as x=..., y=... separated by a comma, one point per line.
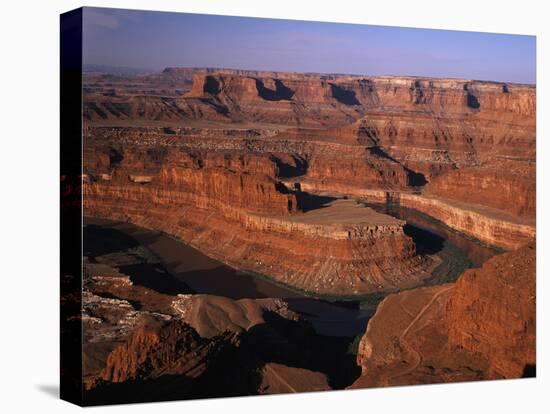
x=146, y=330
x=296, y=179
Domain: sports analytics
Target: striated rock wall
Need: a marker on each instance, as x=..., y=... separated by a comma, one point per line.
x=206, y=180
x=490, y=226
x=503, y=185
x=346, y=259
x=494, y=227
x=233, y=208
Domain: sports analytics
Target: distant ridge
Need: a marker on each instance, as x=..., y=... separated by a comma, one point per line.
x=188, y=71
x=116, y=70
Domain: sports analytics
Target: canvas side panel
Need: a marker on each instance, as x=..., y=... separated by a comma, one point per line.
x=71, y=206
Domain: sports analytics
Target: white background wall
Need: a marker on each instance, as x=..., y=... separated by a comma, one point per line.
x=29, y=185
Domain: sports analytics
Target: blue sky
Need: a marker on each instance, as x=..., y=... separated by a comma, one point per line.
x=155, y=40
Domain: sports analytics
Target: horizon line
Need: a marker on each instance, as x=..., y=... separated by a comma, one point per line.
x=152, y=71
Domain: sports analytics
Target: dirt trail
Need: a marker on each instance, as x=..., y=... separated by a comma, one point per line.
x=281, y=379
x=416, y=356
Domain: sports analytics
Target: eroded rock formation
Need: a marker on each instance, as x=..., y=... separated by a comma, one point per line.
x=213, y=315
x=481, y=327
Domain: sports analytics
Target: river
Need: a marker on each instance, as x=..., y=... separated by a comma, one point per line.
x=181, y=268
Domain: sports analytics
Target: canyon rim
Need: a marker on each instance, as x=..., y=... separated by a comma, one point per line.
x=288, y=220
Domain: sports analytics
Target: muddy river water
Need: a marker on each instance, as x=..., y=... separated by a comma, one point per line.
x=180, y=268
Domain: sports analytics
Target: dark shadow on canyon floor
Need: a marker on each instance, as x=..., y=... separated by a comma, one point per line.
x=100, y=240
x=155, y=277
x=308, y=202
x=236, y=370
x=425, y=241
x=300, y=346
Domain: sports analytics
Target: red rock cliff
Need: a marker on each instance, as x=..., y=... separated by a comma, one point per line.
x=481, y=327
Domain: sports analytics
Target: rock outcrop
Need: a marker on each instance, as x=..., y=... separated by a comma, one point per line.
x=151, y=352
x=481, y=327
x=503, y=184
x=213, y=315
